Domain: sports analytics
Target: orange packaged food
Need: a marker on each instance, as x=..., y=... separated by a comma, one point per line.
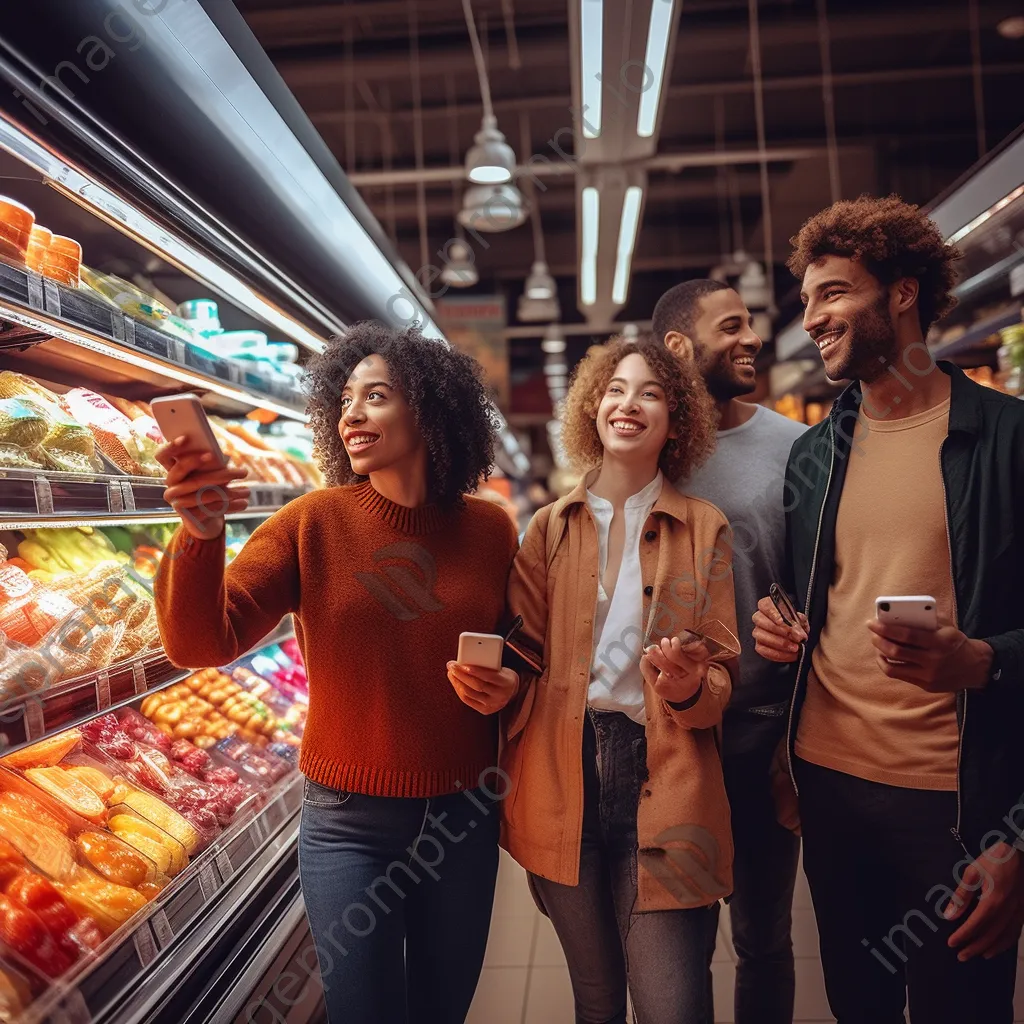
x=16, y=223
x=46, y=752
x=29, y=611
x=68, y=791
x=108, y=903
x=43, y=847
x=62, y=261
x=20, y=805
x=38, y=242
x=114, y=860
x=99, y=783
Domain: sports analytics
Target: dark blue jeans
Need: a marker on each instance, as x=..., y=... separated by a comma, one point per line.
x=399, y=894
x=661, y=955
x=764, y=876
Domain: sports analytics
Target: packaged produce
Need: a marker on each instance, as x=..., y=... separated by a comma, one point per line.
x=109, y=904
x=114, y=860
x=21, y=805
x=136, y=303
x=73, y=933
x=16, y=223
x=113, y=432
x=95, y=779
x=46, y=849
x=22, y=429
x=263, y=763
x=62, y=260
x=154, y=810
x=45, y=753
x=68, y=445
x=22, y=930
x=39, y=239
x=67, y=790
x=29, y=610
x=161, y=848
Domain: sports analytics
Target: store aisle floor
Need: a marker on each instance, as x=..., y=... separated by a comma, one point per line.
x=525, y=980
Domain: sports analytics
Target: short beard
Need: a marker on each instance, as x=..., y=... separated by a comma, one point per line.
x=721, y=382
x=873, y=346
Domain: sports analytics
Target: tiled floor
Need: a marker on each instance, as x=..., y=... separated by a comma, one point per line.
x=525, y=980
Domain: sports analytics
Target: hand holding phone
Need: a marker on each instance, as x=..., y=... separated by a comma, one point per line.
x=918, y=612
x=478, y=677
x=199, y=477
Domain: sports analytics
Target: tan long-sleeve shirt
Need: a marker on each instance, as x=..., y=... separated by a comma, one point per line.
x=891, y=539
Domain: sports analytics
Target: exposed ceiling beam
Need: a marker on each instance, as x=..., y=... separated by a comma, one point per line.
x=693, y=39
x=549, y=168
x=786, y=83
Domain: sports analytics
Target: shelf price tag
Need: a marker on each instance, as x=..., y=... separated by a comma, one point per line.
x=35, y=292
x=51, y=297
x=102, y=691
x=35, y=723
x=224, y=864
x=178, y=351
x=139, y=677
x=145, y=945
x=43, y=495
x=162, y=929
x=209, y=880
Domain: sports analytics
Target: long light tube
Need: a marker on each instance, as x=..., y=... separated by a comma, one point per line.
x=591, y=55
x=654, y=62
x=627, y=239
x=588, y=256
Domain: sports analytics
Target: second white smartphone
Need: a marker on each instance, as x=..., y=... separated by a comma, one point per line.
x=184, y=416
x=918, y=612
x=483, y=650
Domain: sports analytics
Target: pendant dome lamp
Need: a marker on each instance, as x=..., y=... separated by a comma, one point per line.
x=491, y=160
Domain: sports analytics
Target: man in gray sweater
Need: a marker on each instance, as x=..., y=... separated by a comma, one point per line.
x=708, y=321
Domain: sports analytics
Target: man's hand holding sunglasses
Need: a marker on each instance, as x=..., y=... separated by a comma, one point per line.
x=774, y=638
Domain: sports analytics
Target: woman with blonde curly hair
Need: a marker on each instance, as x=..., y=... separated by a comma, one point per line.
x=616, y=804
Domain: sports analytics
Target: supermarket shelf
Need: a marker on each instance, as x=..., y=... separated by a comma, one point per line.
x=60, y=333
x=976, y=334
x=148, y=958
x=29, y=494
x=28, y=718
x=107, y=519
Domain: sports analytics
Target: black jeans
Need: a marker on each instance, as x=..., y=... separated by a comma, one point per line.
x=873, y=856
x=764, y=878
x=398, y=894
x=659, y=955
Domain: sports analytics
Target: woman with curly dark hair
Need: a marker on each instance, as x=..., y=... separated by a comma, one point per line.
x=383, y=570
x=617, y=805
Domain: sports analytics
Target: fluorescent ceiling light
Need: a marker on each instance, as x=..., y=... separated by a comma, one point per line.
x=654, y=61
x=591, y=53
x=588, y=257
x=960, y=235
x=627, y=239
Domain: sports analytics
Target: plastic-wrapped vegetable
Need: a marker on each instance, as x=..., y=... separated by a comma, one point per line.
x=113, y=432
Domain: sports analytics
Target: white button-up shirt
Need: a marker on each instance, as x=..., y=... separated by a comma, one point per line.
x=616, y=683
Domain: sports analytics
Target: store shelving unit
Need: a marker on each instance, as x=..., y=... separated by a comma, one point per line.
x=165, y=956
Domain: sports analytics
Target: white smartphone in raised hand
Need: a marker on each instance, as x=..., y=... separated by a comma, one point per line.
x=483, y=650
x=184, y=416
x=918, y=612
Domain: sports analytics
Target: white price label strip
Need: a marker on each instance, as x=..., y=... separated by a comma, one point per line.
x=162, y=929
x=139, y=676
x=209, y=880
x=102, y=691
x=35, y=724
x=145, y=945
x=224, y=865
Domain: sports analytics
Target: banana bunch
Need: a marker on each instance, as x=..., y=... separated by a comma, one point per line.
x=56, y=553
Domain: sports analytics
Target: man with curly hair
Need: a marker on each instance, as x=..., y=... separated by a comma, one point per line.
x=904, y=742
x=709, y=321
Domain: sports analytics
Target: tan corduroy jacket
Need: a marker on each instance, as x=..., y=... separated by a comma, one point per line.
x=684, y=839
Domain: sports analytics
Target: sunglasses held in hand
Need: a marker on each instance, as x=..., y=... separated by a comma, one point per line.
x=719, y=640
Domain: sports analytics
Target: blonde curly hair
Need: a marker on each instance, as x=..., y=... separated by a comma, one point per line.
x=691, y=408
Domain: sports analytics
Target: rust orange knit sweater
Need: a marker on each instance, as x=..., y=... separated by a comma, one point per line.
x=380, y=593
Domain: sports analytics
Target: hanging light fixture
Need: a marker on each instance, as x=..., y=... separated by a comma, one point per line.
x=492, y=208
x=459, y=270
x=491, y=160
x=539, y=301
x=554, y=341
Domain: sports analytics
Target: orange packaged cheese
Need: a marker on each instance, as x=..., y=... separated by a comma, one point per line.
x=67, y=790
x=46, y=752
